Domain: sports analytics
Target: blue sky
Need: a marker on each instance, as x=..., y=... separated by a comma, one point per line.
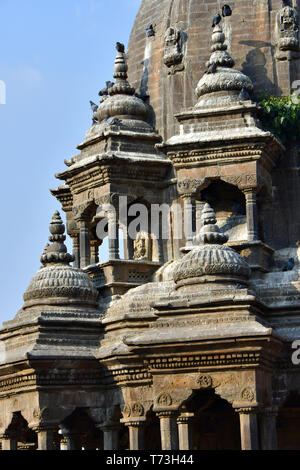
x=55, y=56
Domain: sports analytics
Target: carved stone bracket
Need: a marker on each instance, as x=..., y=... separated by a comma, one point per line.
x=189, y=187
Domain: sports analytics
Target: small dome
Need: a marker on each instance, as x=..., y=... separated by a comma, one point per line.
x=209, y=260
x=57, y=282
x=220, y=76
x=122, y=103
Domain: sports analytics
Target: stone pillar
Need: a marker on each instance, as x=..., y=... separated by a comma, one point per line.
x=95, y=251
x=168, y=430
x=268, y=431
x=9, y=442
x=184, y=431
x=136, y=434
x=249, y=429
x=252, y=215
x=110, y=437
x=46, y=437
x=189, y=219
x=85, y=254
x=76, y=251
x=113, y=234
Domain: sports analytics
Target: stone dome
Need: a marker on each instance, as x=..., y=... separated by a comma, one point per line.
x=122, y=103
x=210, y=260
x=57, y=282
x=220, y=75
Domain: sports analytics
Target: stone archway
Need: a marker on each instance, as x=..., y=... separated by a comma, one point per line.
x=288, y=423
x=19, y=436
x=215, y=425
x=80, y=433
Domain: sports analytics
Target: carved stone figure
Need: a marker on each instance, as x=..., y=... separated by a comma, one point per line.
x=288, y=27
x=173, y=47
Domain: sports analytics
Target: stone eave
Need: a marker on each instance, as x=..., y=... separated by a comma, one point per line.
x=107, y=133
x=107, y=158
x=217, y=138
x=230, y=334
x=195, y=113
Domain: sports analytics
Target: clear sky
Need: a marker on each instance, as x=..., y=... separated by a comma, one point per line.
x=54, y=57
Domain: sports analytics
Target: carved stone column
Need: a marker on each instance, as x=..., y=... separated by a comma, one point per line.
x=249, y=429
x=113, y=234
x=252, y=215
x=268, y=431
x=95, y=251
x=184, y=431
x=85, y=253
x=168, y=430
x=76, y=251
x=8, y=442
x=110, y=437
x=46, y=438
x=136, y=433
x=189, y=218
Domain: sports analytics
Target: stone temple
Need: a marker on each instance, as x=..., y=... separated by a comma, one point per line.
x=182, y=342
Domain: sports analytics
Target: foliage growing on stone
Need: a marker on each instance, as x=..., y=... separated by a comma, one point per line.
x=281, y=116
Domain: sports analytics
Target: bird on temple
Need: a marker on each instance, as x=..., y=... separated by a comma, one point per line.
x=94, y=106
x=244, y=95
x=150, y=31
x=120, y=47
x=104, y=91
x=142, y=97
x=112, y=121
x=216, y=20
x=212, y=68
x=290, y=265
x=226, y=11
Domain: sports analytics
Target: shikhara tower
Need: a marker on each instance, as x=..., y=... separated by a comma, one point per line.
x=178, y=344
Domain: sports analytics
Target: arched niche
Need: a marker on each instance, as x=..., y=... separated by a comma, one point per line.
x=228, y=202
x=80, y=430
x=215, y=425
x=18, y=429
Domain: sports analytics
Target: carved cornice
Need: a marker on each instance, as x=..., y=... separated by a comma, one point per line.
x=205, y=360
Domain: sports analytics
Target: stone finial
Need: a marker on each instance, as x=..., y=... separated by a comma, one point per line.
x=210, y=258
x=56, y=252
x=219, y=55
x=220, y=74
x=121, y=68
x=210, y=232
x=122, y=108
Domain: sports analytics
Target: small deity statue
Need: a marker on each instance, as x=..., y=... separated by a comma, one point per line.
x=288, y=27
x=173, y=53
x=141, y=246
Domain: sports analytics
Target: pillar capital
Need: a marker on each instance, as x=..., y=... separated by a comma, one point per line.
x=247, y=410
x=167, y=413
x=185, y=418
x=134, y=422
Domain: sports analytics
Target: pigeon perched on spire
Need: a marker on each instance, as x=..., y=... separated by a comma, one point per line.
x=120, y=47
x=226, y=11
x=104, y=91
x=212, y=68
x=217, y=19
x=94, y=106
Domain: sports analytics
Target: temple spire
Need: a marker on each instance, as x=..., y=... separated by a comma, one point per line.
x=121, y=85
x=210, y=232
x=56, y=252
x=220, y=57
